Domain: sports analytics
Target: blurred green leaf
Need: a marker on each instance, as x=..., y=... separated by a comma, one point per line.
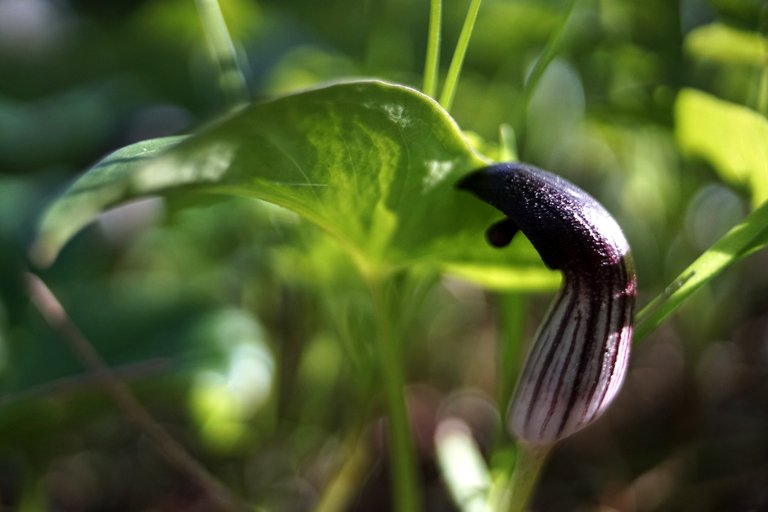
x=60, y=127
x=734, y=139
x=742, y=240
x=179, y=21
x=504, y=27
x=728, y=45
x=307, y=66
x=506, y=278
x=496, y=274
x=372, y=163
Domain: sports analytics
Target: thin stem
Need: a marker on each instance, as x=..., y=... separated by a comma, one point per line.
x=507, y=144
x=231, y=78
x=762, y=87
x=341, y=490
x=175, y=454
x=404, y=477
x=89, y=380
x=451, y=81
x=762, y=93
x=520, y=488
x=553, y=46
x=646, y=321
x=431, y=66
x=510, y=348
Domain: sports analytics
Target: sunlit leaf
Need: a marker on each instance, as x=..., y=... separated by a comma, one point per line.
x=734, y=139
x=373, y=164
x=721, y=43
x=742, y=240
x=494, y=272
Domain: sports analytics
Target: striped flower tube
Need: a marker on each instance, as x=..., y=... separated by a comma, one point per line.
x=580, y=356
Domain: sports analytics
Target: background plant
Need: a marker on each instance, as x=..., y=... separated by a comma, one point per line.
x=172, y=305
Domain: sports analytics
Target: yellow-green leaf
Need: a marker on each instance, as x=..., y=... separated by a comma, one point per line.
x=732, y=138
x=721, y=43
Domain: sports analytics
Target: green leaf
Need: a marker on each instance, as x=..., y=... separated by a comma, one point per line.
x=742, y=240
x=103, y=186
x=372, y=163
x=734, y=139
x=728, y=45
x=495, y=273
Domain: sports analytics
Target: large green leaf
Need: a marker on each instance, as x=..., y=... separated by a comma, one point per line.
x=734, y=139
x=372, y=163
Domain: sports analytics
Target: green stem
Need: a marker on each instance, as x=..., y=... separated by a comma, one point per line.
x=520, y=488
x=431, y=66
x=762, y=93
x=762, y=88
x=507, y=144
x=341, y=490
x=511, y=335
x=404, y=477
x=222, y=49
x=553, y=46
x=449, y=89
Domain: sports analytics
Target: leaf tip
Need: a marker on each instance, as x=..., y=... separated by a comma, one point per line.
x=42, y=253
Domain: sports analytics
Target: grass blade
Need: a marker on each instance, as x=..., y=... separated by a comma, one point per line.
x=451, y=81
x=742, y=240
x=231, y=77
x=553, y=46
x=431, y=66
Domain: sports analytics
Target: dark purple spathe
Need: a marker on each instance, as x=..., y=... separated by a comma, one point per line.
x=580, y=356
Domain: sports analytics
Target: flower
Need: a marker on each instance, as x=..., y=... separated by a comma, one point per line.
x=580, y=356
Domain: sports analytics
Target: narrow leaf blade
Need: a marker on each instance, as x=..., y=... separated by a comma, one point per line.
x=742, y=240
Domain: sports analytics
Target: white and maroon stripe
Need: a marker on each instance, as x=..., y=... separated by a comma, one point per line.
x=580, y=355
x=579, y=358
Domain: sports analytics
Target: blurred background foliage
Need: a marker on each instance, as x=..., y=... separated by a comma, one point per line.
x=234, y=321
